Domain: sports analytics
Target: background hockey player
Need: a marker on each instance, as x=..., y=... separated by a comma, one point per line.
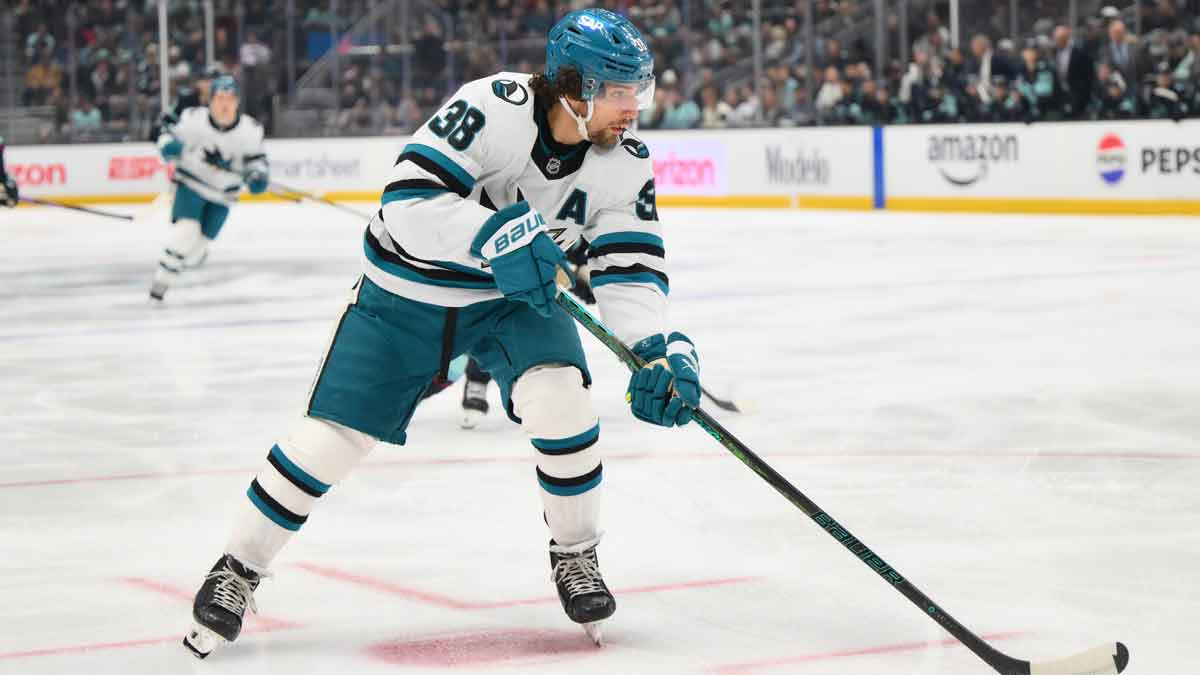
x=216, y=151
x=462, y=258
x=11, y=194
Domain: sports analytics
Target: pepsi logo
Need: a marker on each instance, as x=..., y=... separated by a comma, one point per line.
x=1110, y=159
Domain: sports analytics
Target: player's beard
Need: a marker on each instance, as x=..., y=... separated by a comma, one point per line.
x=604, y=138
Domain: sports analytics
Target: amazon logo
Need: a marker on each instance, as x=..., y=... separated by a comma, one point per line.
x=963, y=160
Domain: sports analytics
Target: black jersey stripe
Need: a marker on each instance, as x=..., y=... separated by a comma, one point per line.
x=449, y=179
x=438, y=274
x=414, y=184
x=609, y=249
x=631, y=269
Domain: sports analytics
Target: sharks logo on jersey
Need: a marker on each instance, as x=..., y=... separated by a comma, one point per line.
x=214, y=157
x=636, y=148
x=510, y=91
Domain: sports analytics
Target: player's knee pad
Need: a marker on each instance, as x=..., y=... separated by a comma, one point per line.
x=302, y=467
x=556, y=413
x=327, y=449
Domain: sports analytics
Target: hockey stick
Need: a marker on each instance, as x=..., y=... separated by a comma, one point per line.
x=94, y=212
x=722, y=403
x=292, y=193
x=1106, y=659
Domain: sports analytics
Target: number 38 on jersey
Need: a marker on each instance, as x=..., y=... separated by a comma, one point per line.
x=458, y=123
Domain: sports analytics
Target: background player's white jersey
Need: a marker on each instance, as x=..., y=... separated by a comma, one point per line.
x=214, y=158
x=488, y=148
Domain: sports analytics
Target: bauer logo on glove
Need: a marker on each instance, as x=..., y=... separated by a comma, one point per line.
x=523, y=258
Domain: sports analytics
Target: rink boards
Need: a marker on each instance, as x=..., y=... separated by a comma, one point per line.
x=1128, y=168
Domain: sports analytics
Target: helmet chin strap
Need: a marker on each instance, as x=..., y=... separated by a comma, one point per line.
x=580, y=122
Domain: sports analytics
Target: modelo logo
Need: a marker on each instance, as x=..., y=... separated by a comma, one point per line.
x=963, y=160
x=798, y=167
x=29, y=175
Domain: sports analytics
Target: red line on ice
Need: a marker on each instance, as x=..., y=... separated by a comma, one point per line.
x=638, y=456
x=255, y=624
x=74, y=649
x=737, y=668
x=453, y=603
x=490, y=648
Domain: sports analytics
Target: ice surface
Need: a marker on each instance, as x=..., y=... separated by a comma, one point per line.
x=1004, y=408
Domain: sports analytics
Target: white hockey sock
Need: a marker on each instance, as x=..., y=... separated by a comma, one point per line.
x=299, y=470
x=184, y=242
x=556, y=412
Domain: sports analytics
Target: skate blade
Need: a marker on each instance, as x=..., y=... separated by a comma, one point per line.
x=594, y=631
x=470, y=418
x=201, y=641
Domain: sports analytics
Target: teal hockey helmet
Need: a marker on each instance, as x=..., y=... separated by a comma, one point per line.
x=605, y=48
x=225, y=83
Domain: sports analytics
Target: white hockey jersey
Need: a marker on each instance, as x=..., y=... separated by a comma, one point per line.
x=488, y=148
x=214, y=157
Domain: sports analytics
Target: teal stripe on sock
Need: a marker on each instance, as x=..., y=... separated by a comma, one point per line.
x=270, y=513
x=298, y=473
x=572, y=490
x=555, y=446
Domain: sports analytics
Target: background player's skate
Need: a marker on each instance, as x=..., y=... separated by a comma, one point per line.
x=474, y=397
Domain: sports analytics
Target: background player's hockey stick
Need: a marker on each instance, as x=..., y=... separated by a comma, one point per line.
x=292, y=193
x=1103, y=660
x=94, y=212
x=47, y=202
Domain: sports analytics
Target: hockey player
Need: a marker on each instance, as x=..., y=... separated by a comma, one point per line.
x=11, y=194
x=462, y=257
x=216, y=150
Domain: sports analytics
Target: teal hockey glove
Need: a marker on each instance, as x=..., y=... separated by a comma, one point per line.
x=256, y=180
x=667, y=388
x=169, y=146
x=524, y=259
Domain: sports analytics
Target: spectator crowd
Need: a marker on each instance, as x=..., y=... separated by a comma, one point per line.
x=94, y=63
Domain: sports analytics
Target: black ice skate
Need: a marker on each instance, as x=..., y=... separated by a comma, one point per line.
x=220, y=605
x=158, y=290
x=575, y=571
x=474, y=402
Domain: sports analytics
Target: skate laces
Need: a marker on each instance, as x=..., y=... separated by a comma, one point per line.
x=578, y=572
x=233, y=591
x=476, y=389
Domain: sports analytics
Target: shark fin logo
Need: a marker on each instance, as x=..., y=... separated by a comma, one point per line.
x=635, y=147
x=510, y=91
